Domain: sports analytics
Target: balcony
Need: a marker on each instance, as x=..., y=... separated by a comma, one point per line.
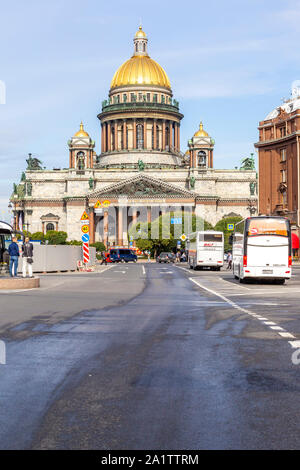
x=140, y=105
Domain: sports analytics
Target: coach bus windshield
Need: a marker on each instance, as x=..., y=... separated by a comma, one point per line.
x=267, y=226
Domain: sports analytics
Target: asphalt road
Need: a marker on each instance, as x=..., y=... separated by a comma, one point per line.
x=150, y=357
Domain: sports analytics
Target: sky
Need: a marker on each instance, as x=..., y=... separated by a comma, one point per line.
x=230, y=63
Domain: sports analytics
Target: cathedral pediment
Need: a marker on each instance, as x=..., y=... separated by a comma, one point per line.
x=142, y=186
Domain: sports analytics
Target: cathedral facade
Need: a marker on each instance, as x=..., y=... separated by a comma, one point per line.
x=141, y=168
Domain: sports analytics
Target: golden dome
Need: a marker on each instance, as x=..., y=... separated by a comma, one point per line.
x=140, y=33
x=140, y=70
x=81, y=132
x=201, y=132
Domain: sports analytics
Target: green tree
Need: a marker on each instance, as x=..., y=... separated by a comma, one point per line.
x=99, y=246
x=56, y=238
x=156, y=231
x=74, y=242
x=221, y=226
x=38, y=236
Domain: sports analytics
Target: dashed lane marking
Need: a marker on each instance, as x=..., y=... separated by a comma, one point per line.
x=282, y=332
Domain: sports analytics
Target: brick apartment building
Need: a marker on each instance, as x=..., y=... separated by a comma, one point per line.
x=279, y=163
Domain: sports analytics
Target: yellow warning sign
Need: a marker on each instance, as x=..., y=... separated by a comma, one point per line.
x=106, y=203
x=84, y=216
x=97, y=205
x=85, y=229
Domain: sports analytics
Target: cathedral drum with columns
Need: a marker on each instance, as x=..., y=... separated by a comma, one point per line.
x=140, y=168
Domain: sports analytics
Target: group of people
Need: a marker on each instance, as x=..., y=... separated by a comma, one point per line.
x=27, y=257
x=181, y=256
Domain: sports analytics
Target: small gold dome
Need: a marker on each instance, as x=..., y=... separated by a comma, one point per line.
x=140, y=70
x=81, y=132
x=140, y=33
x=201, y=132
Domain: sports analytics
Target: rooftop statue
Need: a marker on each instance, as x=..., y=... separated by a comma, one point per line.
x=248, y=163
x=33, y=163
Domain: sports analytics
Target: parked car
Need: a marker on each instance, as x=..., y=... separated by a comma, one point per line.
x=166, y=258
x=122, y=255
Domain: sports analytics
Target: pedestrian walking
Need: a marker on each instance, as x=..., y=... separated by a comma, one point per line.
x=178, y=255
x=149, y=257
x=229, y=261
x=14, y=253
x=27, y=257
x=104, y=260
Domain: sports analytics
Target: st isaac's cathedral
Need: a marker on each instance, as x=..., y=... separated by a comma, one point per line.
x=141, y=165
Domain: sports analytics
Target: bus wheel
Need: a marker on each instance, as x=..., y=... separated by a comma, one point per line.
x=191, y=267
x=241, y=280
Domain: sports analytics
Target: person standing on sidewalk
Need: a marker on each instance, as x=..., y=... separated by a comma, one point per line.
x=14, y=253
x=27, y=254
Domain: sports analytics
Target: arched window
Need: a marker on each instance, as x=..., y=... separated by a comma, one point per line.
x=167, y=137
x=122, y=135
x=140, y=136
x=80, y=160
x=202, y=158
x=49, y=227
x=113, y=139
x=155, y=145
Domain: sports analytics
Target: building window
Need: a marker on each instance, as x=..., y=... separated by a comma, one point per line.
x=140, y=136
x=113, y=139
x=132, y=97
x=49, y=227
x=283, y=176
x=80, y=160
x=155, y=98
x=122, y=140
x=155, y=145
x=148, y=96
x=283, y=155
x=282, y=131
x=167, y=137
x=201, y=159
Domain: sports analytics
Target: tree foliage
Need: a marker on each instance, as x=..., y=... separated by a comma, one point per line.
x=38, y=236
x=160, y=235
x=221, y=226
x=56, y=238
x=99, y=246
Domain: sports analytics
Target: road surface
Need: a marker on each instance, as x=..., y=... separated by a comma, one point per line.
x=150, y=356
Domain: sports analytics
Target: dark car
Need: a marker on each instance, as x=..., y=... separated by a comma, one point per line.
x=166, y=258
x=122, y=255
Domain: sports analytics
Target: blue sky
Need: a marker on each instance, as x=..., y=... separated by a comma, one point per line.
x=229, y=64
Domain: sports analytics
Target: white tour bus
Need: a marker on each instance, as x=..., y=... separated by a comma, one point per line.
x=262, y=249
x=206, y=249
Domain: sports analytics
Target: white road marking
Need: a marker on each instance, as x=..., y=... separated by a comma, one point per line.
x=284, y=334
x=144, y=270
x=295, y=344
x=269, y=323
x=166, y=272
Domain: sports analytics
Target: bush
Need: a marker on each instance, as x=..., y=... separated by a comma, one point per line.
x=56, y=238
x=74, y=242
x=99, y=246
x=37, y=236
